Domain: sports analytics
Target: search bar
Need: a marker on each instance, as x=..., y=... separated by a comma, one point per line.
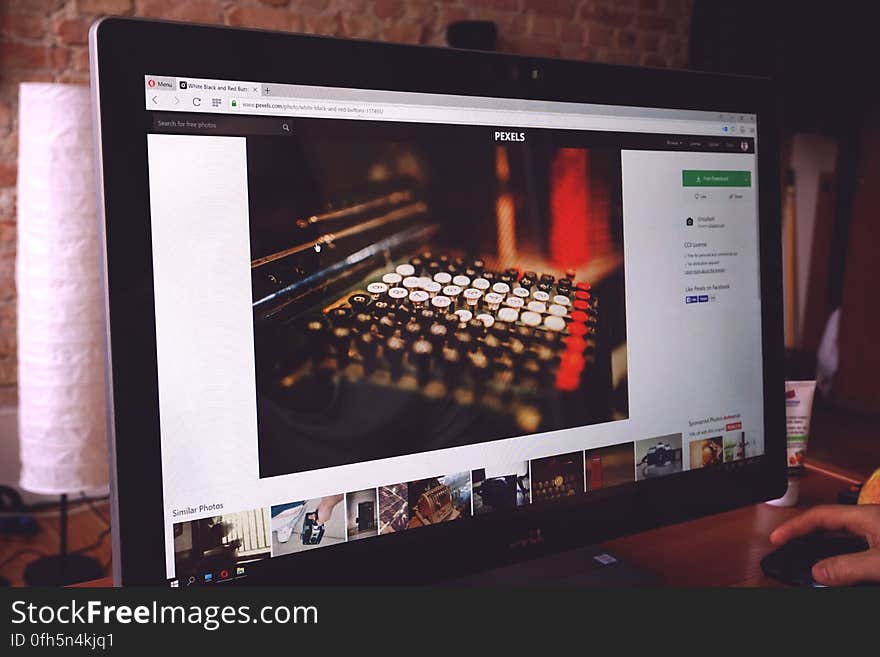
x=220, y=124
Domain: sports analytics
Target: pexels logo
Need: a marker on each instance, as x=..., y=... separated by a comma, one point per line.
x=509, y=136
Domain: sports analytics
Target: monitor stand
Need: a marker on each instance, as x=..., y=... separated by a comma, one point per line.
x=585, y=567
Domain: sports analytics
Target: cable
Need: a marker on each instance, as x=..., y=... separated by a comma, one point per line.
x=94, y=546
x=20, y=553
x=77, y=508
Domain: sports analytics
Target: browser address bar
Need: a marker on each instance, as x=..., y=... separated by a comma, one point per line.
x=323, y=108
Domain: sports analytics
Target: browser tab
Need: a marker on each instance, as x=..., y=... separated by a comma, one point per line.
x=159, y=83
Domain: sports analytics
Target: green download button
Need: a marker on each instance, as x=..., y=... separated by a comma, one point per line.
x=696, y=178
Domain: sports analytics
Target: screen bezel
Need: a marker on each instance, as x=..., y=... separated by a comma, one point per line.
x=123, y=51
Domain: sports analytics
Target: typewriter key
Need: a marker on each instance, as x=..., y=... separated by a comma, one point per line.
x=341, y=344
x=405, y=270
x=481, y=284
x=492, y=346
x=398, y=293
x=464, y=316
x=368, y=347
x=554, y=323
x=463, y=341
x=508, y=315
x=443, y=277
x=512, y=272
x=433, y=267
x=432, y=288
x=419, y=298
x=339, y=316
x=412, y=330
x=478, y=265
x=556, y=309
x=394, y=348
x=537, y=306
x=380, y=308
x=470, y=272
x=441, y=303
x=545, y=287
x=461, y=281
x=451, y=366
x=493, y=300
x=530, y=275
x=412, y=283
x=392, y=278
x=421, y=354
x=417, y=265
x=541, y=295
x=486, y=319
x=363, y=322
x=387, y=325
x=521, y=292
x=450, y=320
x=507, y=278
x=376, y=290
x=437, y=333
x=530, y=317
x=359, y=302
x=453, y=292
x=561, y=300
x=475, y=327
x=570, y=274
x=501, y=288
x=500, y=330
x=514, y=302
x=471, y=297
x=490, y=276
x=459, y=264
x=426, y=316
x=524, y=333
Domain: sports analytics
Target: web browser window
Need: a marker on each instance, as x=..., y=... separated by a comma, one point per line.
x=378, y=311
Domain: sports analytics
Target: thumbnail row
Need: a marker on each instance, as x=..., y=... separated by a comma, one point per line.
x=220, y=547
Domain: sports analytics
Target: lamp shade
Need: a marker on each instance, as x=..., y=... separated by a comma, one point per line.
x=62, y=407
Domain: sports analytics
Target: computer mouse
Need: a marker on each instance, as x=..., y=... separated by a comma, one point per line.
x=794, y=561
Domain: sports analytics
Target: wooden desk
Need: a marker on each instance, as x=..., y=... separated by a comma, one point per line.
x=721, y=550
x=724, y=549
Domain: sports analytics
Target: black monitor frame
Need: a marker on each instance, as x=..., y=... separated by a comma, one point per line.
x=123, y=51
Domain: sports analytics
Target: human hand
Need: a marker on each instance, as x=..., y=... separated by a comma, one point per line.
x=844, y=570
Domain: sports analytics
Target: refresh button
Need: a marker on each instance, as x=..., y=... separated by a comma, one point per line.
x=197, y=102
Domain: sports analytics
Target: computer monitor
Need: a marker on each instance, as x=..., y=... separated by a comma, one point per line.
x=381, y=313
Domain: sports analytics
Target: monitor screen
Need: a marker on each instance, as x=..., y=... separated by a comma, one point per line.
x=378, y=311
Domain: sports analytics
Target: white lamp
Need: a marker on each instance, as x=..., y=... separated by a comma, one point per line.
x=62, y=410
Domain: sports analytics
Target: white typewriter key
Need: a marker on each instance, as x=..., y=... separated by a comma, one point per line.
x=412, y=283
x=443, y=277
x=514, y=302
x=425, y=281
x=461, y=281
x=562, y=300
x=464, y=316
x=530, y=318
x=554, y=323
x=377, y=289
x=405, y=269
x=509, y=315
x=452, y=291
x=541, y=296
x=487, y=319
x=557, y=310
x=537, y=307
x=433, y=288
x=501, y=288
x=398, y=293
x=419, y=297
x=493, y=300
x=481, y=284
x=521, y=292
x=392, y=278
x=472, y=296
x=441, y=303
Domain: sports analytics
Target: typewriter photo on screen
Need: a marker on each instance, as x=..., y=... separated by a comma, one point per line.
x=424, y=287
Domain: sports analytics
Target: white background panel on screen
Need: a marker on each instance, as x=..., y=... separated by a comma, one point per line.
x=683, y=359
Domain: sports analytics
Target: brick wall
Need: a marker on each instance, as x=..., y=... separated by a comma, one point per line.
x=45, y=40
